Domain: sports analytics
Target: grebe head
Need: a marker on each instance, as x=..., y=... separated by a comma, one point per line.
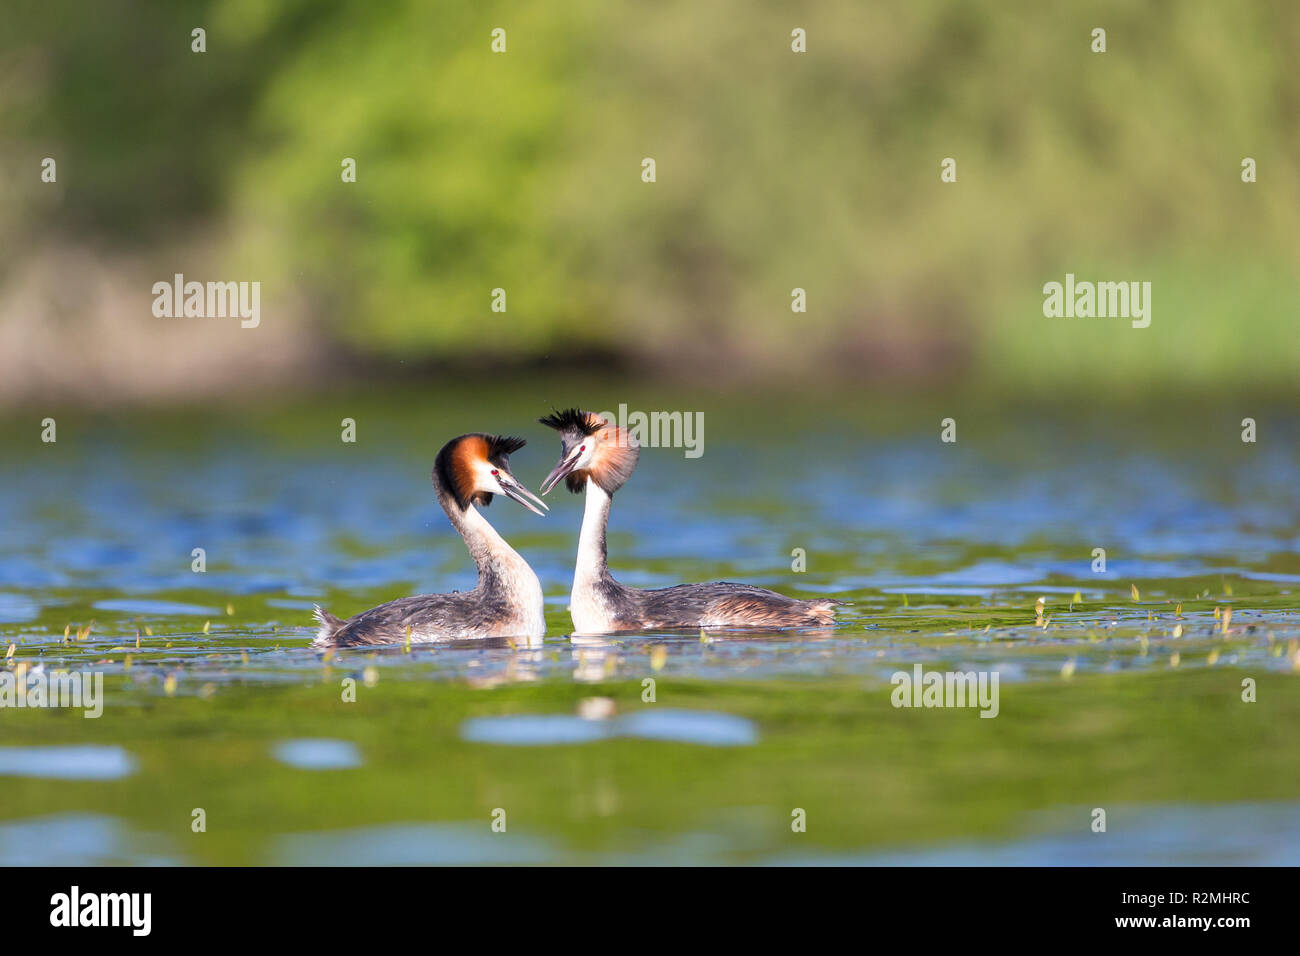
x=473, y=468
x=590, y=447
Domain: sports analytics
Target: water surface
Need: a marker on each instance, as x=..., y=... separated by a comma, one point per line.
x=1125, y=690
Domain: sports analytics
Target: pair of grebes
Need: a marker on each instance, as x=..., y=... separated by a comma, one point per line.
x=596, y=459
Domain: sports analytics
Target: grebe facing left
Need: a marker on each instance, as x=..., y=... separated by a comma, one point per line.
x=597, y=458
x=507, y=602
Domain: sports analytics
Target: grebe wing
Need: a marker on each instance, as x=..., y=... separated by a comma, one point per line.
x=430, y=617
x=724, y=603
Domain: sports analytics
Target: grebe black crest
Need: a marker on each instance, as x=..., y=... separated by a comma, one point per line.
x=507, y=601
x=596, y=459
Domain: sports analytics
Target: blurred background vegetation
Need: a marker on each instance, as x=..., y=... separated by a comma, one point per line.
x=522, y=171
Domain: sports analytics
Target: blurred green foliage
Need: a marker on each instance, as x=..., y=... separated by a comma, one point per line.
x=776, y=170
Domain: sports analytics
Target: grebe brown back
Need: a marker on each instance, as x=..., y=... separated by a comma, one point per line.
x=507, y=602
x=597, y=457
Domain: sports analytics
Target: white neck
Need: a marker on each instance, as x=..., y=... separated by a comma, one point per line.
x=592, y=564
x=588, y=605
x=501, y=567
x=490, y=550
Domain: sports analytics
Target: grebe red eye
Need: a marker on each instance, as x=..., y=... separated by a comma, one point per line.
x=582, y=449
x=494, y=472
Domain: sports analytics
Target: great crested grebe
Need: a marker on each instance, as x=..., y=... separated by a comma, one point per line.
x=598, y=457
x=507, y=602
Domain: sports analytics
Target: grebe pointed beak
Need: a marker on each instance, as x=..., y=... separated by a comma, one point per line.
x=513, y=489
x=565, y=466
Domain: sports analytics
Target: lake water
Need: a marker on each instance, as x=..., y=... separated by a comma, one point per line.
x=1125, y=693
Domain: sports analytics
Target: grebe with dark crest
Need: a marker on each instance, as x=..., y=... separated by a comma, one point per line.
x=507, y=602
x=597, y=457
